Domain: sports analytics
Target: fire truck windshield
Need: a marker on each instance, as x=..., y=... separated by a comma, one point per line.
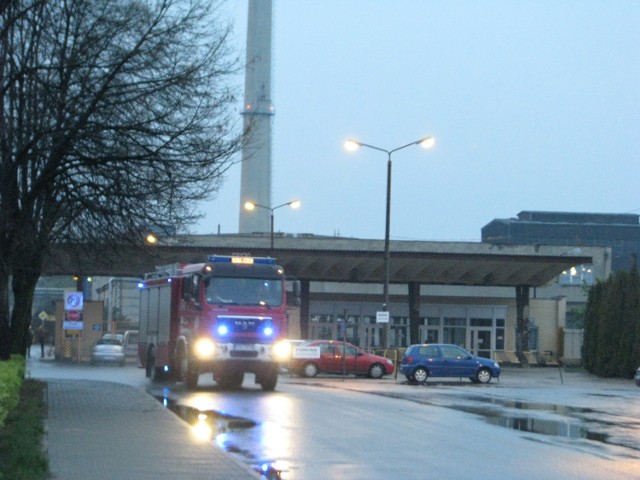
x=244, y=291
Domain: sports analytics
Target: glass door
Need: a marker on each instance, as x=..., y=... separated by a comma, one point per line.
x=481, y=341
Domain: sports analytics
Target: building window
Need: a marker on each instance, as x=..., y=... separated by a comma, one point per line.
x=399, y=332
x=455, y=331
x=500, y=334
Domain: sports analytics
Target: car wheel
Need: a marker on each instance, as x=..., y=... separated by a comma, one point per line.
x=484, y=375
x=376, y=371
x=420, y=374
x=309, y=369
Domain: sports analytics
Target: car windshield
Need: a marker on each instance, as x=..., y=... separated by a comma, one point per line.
x=109, y=341
x=244, y=291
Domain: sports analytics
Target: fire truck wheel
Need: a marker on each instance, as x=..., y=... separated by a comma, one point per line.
x=154, y=372
x=230, y=380
x=186, y=373
x=269, y=381
x=191, y=380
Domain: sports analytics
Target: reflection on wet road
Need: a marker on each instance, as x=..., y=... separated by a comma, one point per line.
x=206, y=410
x=281, y=434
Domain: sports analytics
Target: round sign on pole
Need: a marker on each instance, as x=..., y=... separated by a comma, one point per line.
x=73, y=315
x=73, y=301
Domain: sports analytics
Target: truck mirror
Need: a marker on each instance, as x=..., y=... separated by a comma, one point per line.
x=296, y=292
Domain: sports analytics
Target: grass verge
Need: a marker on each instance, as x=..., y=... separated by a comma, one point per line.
x=21, y=453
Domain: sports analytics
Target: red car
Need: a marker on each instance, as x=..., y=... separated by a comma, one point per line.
x=336, y=357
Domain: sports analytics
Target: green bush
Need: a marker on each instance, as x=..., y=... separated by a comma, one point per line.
x=21, y=454
x=11, y=378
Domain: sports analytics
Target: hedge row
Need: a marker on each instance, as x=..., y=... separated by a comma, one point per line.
x=612, y=326
x=11, y=378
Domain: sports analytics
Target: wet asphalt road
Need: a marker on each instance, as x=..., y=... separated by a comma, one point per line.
x=534, y=423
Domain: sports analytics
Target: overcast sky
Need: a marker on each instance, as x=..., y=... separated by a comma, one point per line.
x=534, y=104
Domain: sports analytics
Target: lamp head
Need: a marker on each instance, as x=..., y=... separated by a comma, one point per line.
x=151, y=239
x=427, y=142
x=352, y=145
x=249, y=205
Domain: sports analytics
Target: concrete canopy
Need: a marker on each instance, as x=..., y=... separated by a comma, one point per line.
x=351, y=260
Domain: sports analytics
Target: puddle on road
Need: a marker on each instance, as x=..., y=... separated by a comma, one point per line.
x=209, y=424
x=576, y=422
x=560, y=428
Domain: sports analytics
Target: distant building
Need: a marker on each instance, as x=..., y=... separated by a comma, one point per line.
x=121, y=298
x=620, y=231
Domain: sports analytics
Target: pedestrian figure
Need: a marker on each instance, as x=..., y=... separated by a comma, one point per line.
x=42, y=335
x=29, y=341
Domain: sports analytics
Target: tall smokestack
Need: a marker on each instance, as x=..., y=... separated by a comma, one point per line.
x=255, y=183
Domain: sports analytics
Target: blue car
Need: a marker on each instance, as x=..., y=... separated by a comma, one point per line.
x=420, y=362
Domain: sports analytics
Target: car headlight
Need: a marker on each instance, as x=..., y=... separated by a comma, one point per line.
x=204, y=348
x=281, y=350
x=389, y=361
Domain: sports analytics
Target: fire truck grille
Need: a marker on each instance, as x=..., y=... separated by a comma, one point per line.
x=244, y=324
x=242, y=354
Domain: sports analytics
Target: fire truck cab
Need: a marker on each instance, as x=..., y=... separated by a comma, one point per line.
x=227, y=316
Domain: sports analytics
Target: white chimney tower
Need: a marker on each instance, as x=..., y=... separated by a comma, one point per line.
x=255, y=183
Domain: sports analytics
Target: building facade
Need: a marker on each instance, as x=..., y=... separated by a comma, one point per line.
x=620, y=231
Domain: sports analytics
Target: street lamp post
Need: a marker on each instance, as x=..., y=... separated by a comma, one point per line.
x=353, y=145
x=252, y=206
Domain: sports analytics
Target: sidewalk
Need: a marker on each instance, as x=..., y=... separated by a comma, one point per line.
x=111, y=431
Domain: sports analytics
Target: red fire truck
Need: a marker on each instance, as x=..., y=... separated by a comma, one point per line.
x=227, y=316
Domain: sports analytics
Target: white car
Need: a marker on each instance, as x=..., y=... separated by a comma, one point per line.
x=109, y=349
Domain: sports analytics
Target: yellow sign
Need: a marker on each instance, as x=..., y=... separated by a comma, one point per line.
x=245, y=260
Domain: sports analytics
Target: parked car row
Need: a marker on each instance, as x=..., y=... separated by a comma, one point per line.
x=418, y=363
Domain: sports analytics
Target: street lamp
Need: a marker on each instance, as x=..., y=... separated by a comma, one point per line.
x=252, y=206
x=353, y=145
x=151, y=238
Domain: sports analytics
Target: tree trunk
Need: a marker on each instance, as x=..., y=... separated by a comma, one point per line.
x=24, y=285
x=5, y=331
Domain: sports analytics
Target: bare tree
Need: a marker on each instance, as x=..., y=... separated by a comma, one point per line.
x=116, y=115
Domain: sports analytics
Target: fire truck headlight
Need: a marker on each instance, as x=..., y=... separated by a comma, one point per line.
x=281, y=350
x=204, y=348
